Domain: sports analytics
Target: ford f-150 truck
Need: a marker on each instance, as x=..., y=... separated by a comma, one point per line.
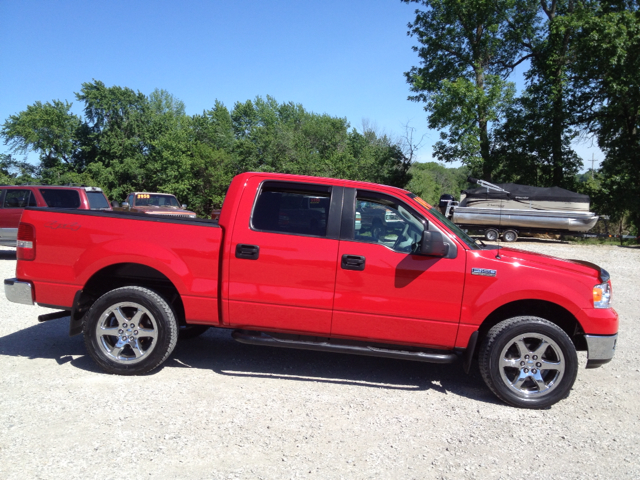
x=279, y=275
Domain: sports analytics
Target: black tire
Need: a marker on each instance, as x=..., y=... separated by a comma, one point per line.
x=491, y=235
x=191, y=331
x=510, y=236
x=130, y=331
x=513, y=360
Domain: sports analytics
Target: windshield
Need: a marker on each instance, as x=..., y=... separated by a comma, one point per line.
x=155, y=200
x=470, y=242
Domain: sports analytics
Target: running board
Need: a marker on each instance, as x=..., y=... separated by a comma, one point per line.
x=322, y=344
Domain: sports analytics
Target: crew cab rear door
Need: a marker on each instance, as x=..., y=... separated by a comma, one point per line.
x=282, y=261
x=385, y=289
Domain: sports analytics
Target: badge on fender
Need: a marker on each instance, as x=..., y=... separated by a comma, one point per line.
x=485, y=272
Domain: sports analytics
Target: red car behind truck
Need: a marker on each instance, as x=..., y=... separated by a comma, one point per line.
x=426, y=291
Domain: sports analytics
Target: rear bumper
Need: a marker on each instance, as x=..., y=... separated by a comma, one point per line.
x=600, y=349
x=18, y=292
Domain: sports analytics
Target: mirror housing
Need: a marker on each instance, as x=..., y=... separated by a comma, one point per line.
x=115, y=204
x=184, y=206
x=125, y=205
x=433, y=244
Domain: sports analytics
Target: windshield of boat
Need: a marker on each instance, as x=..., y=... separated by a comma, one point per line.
x=462, y=235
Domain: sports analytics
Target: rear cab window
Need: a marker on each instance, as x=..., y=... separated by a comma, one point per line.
x=60, y=198
x=97, y=201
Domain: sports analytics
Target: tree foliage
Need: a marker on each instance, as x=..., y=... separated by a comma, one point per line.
x=128, y=141
x=464, y=50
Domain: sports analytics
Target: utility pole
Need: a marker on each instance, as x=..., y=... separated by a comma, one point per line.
x=592, y=160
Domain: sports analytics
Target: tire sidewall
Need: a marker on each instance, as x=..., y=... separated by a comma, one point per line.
x=530, y=325
x=157, y=306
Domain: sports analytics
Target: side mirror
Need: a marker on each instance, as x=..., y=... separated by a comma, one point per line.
x=115, y=204
x=433, y=244
x=125, y=204
x=184, y=206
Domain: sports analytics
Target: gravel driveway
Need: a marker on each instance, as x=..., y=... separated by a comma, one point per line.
x=220, y=409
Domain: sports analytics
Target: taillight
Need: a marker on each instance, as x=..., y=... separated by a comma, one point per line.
x=26, y=246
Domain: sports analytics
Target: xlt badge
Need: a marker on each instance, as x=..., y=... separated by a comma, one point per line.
x=485, y=272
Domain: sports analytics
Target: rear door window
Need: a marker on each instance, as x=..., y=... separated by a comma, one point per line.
x=97, y=201
x=59, y=198
x=19, y=199
x=295, y=209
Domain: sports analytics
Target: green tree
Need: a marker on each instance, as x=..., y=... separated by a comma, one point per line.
x=607, y=66
x=16, y=172
x=49, y=129
x=535, y=140
x=430, y=180
x=465, y=51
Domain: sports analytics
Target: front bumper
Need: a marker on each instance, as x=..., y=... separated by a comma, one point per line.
x=18, y=292
x=600, y=349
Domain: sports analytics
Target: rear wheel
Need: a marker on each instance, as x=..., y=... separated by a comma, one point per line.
x=510, y=236
x=528, y=362
x=491, y=235
x=130, y=331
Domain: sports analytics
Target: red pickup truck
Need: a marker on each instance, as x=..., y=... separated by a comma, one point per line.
x=280, y=275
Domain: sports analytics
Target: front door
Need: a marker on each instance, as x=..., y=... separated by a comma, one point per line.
x=385, y=290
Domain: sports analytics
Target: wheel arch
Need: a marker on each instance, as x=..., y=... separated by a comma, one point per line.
x=550, y=311
x=126, y=274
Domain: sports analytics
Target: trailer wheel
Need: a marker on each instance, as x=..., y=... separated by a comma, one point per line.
x=528, y=362
x=491, y=235
x=130, y=331
x=510, y=236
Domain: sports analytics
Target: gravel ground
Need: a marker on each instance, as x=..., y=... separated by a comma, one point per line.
x=220, y=409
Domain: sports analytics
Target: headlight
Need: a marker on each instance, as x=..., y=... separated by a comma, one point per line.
x=602, y=295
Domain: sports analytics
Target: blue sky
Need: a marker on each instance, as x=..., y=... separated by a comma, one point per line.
x=343, y=58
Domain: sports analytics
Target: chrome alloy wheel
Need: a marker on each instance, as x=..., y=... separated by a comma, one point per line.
x=127, y=332
x=532, y=365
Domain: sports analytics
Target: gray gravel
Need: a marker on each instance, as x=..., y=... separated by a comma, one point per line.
x=219, y=409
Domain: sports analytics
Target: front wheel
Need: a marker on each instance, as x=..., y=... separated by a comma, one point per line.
x=528, y=362
x=130, y=331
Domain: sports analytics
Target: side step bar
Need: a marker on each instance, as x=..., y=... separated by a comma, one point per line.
x=322, y=344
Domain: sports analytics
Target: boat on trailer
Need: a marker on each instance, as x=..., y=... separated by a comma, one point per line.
x=510, y=209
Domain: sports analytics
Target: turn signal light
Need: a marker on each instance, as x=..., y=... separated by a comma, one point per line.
x=26, y=244
x=602, y=295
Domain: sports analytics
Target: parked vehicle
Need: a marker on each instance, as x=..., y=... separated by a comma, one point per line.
x=426, y=292
x=155, y=204
x=510, y=209
x=14, y=199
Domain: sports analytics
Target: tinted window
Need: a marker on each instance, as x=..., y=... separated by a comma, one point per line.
x=19, y=199
x=61, y=198
x=290, y=211
x=97, y=200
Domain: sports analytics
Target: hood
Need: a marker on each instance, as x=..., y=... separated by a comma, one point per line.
x=548, y=262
